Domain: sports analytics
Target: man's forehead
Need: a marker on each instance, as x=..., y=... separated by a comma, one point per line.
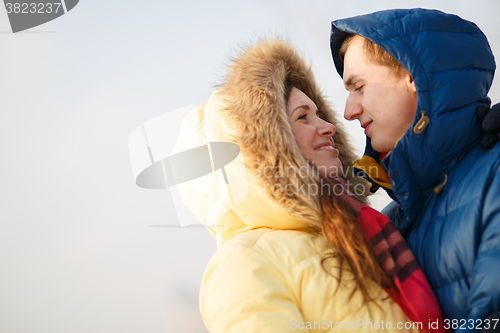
x=354, y=55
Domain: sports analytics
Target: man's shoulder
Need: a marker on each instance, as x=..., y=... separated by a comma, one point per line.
x=467, y=187
x=479, y=165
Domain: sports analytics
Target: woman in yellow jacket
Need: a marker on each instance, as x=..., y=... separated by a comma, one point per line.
x=291, y=255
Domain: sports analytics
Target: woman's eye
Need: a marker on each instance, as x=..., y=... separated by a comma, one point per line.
x=304, y=116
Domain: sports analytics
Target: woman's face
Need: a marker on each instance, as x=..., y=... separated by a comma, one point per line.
x=313, y=134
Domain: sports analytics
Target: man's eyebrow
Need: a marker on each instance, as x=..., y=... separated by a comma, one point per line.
x=351, y=80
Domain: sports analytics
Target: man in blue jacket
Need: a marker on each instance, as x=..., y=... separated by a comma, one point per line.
x=423, y=135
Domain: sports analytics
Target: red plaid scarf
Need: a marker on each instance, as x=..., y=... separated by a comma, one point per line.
x=415, y=296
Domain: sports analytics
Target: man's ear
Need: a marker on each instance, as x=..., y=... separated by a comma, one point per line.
x=410, y=83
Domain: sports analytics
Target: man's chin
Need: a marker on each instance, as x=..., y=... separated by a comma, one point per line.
x=380, y=147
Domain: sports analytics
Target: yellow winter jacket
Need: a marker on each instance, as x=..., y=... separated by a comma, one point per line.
x=261, y=206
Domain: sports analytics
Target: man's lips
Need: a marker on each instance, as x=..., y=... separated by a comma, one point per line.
x=366, y=125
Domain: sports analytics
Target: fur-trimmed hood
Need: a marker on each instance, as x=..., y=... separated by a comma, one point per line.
x=269, y=183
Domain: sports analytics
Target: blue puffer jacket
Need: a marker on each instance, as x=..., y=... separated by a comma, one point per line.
x=455, y=234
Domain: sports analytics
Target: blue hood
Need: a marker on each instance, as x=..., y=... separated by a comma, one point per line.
x=452, y=66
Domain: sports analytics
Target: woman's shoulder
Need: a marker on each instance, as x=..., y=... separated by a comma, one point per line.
x=275, y=245
x=266, y=254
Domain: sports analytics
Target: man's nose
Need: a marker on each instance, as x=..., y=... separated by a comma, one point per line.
x=353, y=109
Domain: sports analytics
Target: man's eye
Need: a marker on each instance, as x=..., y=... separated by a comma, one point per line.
x=359, y=88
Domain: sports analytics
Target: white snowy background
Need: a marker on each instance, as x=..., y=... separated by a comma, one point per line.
x=78, y=250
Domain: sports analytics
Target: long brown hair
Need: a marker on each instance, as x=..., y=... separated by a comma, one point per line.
x=346, y=237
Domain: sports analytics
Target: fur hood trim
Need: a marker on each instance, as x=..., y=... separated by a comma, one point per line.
x=249, y=109
x=254, y=93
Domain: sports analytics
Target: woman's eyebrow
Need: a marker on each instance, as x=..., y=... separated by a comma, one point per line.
x=300, y=107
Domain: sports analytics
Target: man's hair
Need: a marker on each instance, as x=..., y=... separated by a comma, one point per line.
x=374, y=53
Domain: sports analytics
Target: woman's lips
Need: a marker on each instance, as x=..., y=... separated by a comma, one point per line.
x=328, y=148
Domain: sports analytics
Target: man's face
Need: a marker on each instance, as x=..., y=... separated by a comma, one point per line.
x=384, y=103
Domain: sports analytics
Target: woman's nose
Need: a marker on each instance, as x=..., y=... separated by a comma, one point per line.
x=326, y=128
x=352, y=109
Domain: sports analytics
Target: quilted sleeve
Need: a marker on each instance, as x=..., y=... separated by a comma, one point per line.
x=484, y=295
x=397, y=216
